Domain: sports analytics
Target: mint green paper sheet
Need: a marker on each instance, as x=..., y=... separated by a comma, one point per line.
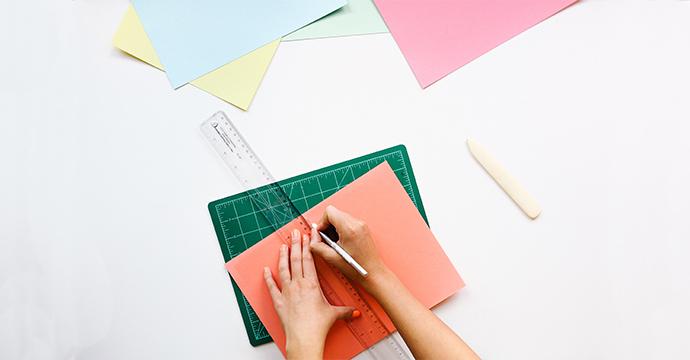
x=358, y=17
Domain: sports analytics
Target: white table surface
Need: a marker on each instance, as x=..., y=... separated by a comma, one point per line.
x=107, y=250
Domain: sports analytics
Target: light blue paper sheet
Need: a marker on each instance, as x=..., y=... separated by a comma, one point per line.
x=194, y=37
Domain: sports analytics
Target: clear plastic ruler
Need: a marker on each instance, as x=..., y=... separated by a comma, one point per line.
x=276, y=206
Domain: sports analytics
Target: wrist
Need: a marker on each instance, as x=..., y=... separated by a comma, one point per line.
x=377, y=280
x=304, y=348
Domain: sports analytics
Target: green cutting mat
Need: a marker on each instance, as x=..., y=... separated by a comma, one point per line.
x=239, y=224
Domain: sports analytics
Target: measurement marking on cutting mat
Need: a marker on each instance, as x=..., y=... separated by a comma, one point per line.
x=257, y=326
x=254, y=213
x=229, y=247
x=256, y=221
x=304, y=197
x=340, y=186
x=241, y=231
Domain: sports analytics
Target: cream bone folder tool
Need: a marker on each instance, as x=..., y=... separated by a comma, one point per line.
x=506, y=181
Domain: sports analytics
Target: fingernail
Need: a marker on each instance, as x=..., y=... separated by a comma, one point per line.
x=283, y=247
x=356, y=313
x=316, y=237
x=295, y=234
x=266, y=269
x=314, y=226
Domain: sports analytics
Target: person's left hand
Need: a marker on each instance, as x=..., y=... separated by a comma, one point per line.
x=304, y=312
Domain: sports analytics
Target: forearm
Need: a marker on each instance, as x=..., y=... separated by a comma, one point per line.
x=424, y=333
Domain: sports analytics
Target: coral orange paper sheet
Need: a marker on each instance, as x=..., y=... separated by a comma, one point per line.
x=403, y=239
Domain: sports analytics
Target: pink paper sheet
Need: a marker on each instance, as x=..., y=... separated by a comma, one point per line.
x=403, y=239
x=439, y=36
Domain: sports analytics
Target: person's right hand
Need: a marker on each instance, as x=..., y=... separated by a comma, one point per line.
x=424, y=333
x=355, y=238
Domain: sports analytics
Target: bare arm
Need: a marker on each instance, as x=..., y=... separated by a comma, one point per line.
x=424, y=333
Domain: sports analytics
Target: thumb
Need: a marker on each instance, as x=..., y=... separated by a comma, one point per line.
x=328, y=254
x=343, y=312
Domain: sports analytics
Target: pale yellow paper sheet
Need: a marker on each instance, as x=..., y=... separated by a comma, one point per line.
x=235, y=82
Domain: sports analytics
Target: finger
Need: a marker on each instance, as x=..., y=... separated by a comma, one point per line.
x=315, y=236
x=335, y=217
x=328, y=254
x=325, y=220
x=345, y=312
x=307, y=260
x=271, y=284
x=296, y=255
x=283, y=267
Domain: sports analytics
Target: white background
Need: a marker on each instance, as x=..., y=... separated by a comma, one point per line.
x=107, y=250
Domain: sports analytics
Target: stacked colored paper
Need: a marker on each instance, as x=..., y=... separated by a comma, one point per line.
x=238, y=81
